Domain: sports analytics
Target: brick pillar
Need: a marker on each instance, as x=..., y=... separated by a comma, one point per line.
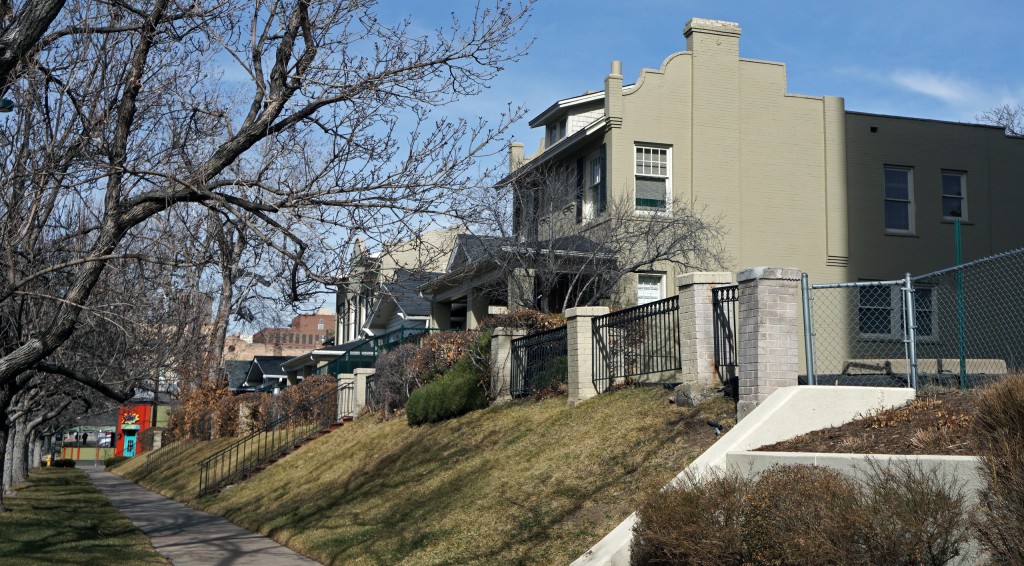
x=769, y=332
x=361, y=375
x=581, y=352
x=501, y=361
x=697, y=327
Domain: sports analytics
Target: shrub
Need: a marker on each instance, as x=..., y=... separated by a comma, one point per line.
x=783, y=525
x=455, y=393
x=63, y=463
x=899, y=514
x=697, y=522
x=114, y=460
x=999, y=521
x=529, y=319
x=440, y=351
x=396, y=377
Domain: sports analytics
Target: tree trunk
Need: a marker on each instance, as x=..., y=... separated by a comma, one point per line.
x=19, y=465
x=36, y=453
x=8, y=459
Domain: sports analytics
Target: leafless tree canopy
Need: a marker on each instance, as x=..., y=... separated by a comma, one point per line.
x=1009, y=116
x=157, y=142
x=573, y=262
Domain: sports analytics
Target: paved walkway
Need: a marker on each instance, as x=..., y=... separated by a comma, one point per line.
x=186, y=536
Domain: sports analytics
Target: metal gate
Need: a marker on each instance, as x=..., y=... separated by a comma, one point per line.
x=724, y=301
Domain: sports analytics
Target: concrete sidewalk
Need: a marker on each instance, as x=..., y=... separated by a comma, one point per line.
x=186, y=536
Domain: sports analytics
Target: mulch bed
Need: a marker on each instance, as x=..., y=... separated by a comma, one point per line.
x=938, y=423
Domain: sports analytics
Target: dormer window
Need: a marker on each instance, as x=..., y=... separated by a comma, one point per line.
x=556, y=131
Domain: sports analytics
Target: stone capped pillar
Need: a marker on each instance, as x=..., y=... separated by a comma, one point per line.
x=697, y=327
x=343, y=379
x=361, y=375
x=769, y=333
x=501, y=361
x=580, y=338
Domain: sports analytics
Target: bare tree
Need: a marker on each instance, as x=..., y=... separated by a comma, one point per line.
x=287, y=117
x=555, y=259
x=1009, y=116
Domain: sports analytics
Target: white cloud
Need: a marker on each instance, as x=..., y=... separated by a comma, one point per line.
x=944, y=88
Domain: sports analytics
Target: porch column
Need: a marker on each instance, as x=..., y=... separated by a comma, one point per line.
x=769, y=332
x=441, y=315
x=580, y=345
x=501, y=361
x=697, y=327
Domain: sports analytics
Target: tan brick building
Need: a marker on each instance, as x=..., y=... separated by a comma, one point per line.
x=797, y=180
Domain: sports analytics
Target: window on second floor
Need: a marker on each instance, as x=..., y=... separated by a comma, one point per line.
x=556, y=131
x=954, y=195
x=899, y=200
x=320, y=325
x=591, y=186
x=653, y=178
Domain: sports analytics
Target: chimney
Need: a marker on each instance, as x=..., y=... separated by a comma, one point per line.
x=613, y=95
x=705, y=36
x=515, y=156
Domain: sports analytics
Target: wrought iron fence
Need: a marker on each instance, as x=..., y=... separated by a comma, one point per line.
x=724, y=301
x=956, y=327
x=279, y=437
x=539, y=361
x=347, y=401
x=641, y=340
x=165, y=454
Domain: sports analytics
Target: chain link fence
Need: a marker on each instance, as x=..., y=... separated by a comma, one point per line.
x=957, y=327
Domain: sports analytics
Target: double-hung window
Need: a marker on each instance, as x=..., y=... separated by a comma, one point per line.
x=591, y=192
x=954, y=195
x=649, y=288
x=880, y=312
x=653, y=178
x=899, y=200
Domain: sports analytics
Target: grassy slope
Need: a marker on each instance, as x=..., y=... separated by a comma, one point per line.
x=60, y=518
x=520, y=483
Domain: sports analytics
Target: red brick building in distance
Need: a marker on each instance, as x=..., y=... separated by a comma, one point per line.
x=310, y=330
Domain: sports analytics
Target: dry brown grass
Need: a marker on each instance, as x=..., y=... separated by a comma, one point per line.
x=527, y=482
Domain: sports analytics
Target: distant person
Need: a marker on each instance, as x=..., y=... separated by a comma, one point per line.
x=78, y=439
x=85, y=438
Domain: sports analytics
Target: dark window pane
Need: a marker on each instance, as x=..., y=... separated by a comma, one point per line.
x=897, y=184
x=897, y=215
x=952, y=185
x=951, y=207
x=873, y=321
x=874, y=297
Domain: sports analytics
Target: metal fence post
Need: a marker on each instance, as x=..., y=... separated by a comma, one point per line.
x=911, y=330
x=805, y=289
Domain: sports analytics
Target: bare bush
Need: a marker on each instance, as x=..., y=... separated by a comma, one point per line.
x=899, y=514
x=697, y=522
x=999, y=521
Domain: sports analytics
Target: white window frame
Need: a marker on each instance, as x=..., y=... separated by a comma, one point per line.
x=911, y=216
x=661, y=286
x=962, y=196
x=637, y=174
x=895, y=314
x=591, y=186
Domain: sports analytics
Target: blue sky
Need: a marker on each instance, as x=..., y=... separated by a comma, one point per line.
x=938, y=59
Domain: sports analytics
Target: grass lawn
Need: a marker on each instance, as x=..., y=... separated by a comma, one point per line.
x=522, y=483
x=60, y=518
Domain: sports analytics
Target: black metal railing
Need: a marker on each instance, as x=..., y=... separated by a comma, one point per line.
x=539, y=361
x=164, y=454
x=279, y=437
x=636, y=341
x=724, y=301
x=346, y=401
x=373, y=393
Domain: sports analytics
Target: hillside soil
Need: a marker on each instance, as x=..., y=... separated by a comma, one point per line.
x=938, y=422
x=529, y=482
